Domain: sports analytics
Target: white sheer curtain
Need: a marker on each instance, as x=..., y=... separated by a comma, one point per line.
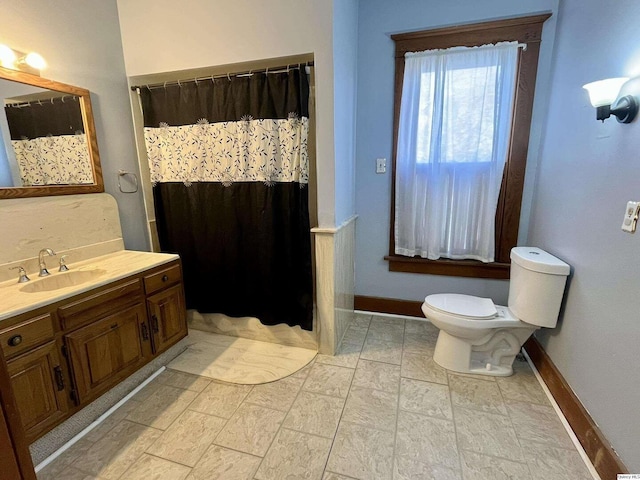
x=453, y=140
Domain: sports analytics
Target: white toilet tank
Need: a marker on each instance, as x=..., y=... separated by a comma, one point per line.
x=537, y=285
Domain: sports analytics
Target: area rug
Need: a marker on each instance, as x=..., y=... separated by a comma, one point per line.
x=239, y=360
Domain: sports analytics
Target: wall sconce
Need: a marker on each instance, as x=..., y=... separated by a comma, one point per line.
x=24, y=62
x=602, y=95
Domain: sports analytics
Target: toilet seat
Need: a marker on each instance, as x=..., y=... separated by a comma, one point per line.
x=466, y=306
x=469, y=312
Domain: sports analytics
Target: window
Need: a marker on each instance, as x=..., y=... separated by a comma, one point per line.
x=461, y=131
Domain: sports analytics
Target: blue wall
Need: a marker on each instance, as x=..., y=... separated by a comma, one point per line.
x=378, y=19
x=588, y=171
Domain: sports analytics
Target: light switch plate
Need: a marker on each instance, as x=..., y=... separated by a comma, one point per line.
x=631, y=217
x=381, y=165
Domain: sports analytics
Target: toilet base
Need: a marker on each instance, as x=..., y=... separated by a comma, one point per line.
x=491, y=355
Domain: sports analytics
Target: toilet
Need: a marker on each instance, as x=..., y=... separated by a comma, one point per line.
x=479, y=337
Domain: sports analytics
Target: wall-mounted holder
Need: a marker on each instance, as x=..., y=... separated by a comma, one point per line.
x=130, y=175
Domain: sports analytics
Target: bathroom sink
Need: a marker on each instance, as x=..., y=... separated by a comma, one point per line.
x=62, y=280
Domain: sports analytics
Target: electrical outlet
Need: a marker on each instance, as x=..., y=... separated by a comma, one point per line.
x=631, y=217
x=381, y=165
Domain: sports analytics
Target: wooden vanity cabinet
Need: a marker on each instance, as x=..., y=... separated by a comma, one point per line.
x=65, y=355
x=166, y=307
x=108, y=350
x=39, y=384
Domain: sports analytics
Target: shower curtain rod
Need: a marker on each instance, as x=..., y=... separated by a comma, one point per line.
x=247, y=73
x=39, y=102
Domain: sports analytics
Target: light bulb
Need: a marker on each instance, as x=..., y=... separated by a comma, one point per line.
x=35, y=60
x=7, y=56
x=604, y=92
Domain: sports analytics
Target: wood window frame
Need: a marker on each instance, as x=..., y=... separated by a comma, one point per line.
x=523, y=30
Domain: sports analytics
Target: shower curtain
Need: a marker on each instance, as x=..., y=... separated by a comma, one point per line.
x=229, y=165
x=49, y=142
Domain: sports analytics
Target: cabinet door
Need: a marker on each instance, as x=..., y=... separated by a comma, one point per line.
x=108, y=350
x=38, y=384
x=168, y=317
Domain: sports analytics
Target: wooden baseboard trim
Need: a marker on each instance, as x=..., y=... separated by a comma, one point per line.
x=388, y=305
x=602, y=455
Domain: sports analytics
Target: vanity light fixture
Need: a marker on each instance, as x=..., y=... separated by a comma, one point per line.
x=604, y=93
x=31, y=62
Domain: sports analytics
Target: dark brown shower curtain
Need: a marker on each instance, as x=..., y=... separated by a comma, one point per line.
x=228, y=159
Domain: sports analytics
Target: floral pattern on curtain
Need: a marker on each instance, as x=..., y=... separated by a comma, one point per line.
x=265, y=150
x=49, y=141
x=60, y=160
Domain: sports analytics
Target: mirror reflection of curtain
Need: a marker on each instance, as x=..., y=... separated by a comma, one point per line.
x=228, y=160
x=49, y=141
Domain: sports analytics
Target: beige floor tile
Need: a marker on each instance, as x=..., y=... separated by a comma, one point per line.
x=476, y=394
x=538, y=423
x=186, y=381
x=316, y=414
x=72, y=473
x=371, y=408
x=346, y=356
x=522, y=386
x=251, y=429
x=426, y=398
x=118, y=450
x=547, y=462
x=147, y=390
x=303, y=373
x=186, y=440
x=385, y=320
x=482, y=467
x=223, y=464
x=162, y=407
x=362, y=453
x=335, y=476
x=422, y=367
x=278, y=395
x=295, y=455
x=378, y=375
x=420, y=344
x=329, y=380
x=355, y=335
x=421, y=327
x=386, y=333
x=261, y=363
x=220, y=399
x=410, y=469
x=380, y=351
x=426, y=440
x=148, y=467
x=112, y=420
x=486, y=433
x=361, y=320
x=52, y=471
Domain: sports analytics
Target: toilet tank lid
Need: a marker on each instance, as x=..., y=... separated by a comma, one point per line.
x=537, y=260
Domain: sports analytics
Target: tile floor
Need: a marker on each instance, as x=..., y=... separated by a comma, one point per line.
x=380, y=409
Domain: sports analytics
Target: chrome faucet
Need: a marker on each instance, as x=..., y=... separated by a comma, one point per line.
x=43, y=267
x=23, y=274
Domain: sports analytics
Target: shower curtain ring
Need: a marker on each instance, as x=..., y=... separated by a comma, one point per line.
x=229, y=76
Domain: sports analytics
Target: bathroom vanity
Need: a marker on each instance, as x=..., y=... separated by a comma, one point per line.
x=69, y=337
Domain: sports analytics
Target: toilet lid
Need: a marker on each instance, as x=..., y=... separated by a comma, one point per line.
x=462, y=305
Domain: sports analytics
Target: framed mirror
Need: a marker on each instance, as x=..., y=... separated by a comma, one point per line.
x=48, y=142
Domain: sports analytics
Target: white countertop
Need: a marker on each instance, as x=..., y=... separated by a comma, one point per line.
x=112, y=267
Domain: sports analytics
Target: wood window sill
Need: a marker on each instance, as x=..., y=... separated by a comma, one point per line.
x=453, y=268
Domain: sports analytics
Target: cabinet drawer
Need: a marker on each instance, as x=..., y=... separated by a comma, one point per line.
x=162, y=279
x=99, y=304
x=25, y=335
